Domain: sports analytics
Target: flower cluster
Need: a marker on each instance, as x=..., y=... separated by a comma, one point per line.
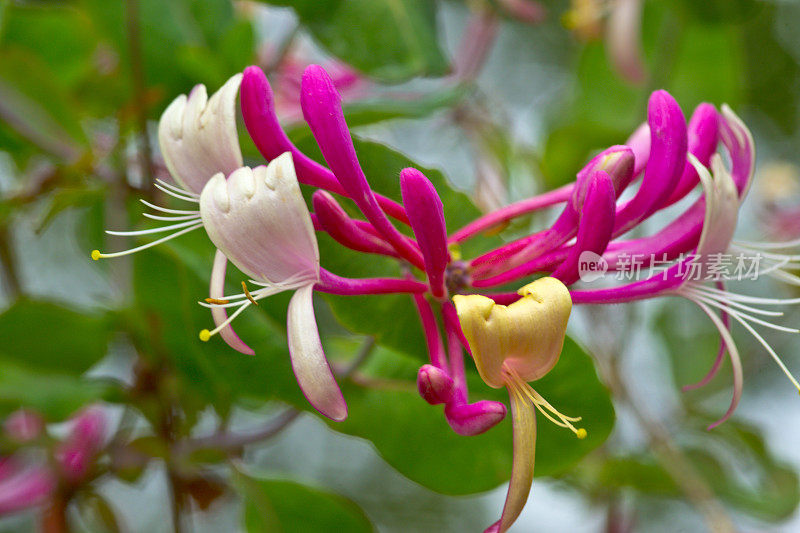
x=46, y=467
x=258, y=219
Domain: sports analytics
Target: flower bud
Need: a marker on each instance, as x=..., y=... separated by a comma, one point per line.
x=434, y=385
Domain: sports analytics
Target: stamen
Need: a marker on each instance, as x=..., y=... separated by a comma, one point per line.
x=751, y=318
x=162, y=229
x=247, y=293
x=175, y=194
x=96, y=254
x=205, y=334
x=165, y=210
x=732, y=296
x=174, y=219
x=521, y=387
x=179, y=190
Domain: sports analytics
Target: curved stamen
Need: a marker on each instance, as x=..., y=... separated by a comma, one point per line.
x=176, y=188
x=162, y=229
x=745, y=298
x=165, y=210
x=737, y=305
x=745, y=316
x=175, y=194
x=171, y=218
x=205, y=334
x=551, y=413
x=97, y=254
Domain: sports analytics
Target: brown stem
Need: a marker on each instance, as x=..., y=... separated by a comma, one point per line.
x=11, y=281
x=54, y=515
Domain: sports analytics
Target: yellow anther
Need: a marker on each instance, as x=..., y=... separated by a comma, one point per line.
x=581, y=433
x=455, y=251
x=247, y=293
x=217, y=301
x=205, y=335
x=96, y=254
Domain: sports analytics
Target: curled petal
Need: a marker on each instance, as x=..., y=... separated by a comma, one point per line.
x=259, y=220
x=217, y=291
x=310, y=367
x=527, y=335
x=595, y=227
x=703, y=135
x=470, y=419
x=722, y=208
x=668, y=142
x=198, y=136
x=739, y=142
x=523, y=421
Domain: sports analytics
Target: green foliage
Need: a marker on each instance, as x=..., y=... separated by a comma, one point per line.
x=414, y=437
x=390, y=40
x=287, y=506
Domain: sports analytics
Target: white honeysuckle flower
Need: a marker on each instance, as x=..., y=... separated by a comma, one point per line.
x=258, y=220
x=198, y=136
x=198, y=139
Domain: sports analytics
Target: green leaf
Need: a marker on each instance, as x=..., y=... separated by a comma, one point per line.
x=391, y=40
x=287, y=507
x=415, y=439
x=48, y=336
x=55, y=396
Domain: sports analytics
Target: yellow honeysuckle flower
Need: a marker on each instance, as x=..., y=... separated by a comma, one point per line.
x=513, y=345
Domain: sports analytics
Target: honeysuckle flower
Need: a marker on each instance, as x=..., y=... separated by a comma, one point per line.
x=259, y=220
x=198, y=139
x=426, y=214
x=623, y=40
x=23, y=485
x=723, y=192
x=512, y=345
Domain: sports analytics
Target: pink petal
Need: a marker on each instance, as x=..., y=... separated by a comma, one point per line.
x=217, y=290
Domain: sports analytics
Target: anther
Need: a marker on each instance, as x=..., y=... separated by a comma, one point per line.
x=247, y=293
x=581, y=433
x=205, y=335
x=96, y=254
x=217, y=301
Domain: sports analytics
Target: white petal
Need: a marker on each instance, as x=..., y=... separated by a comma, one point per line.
x=310, y=367
x=259, y=220
x=198, y=136
x=217, y=290
x=722, y=207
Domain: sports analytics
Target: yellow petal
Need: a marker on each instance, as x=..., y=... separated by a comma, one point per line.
x=523, y=420
x=527, y=335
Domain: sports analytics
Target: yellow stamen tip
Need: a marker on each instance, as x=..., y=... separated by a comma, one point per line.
x=581, y=433
x=96, y=254
x=205, y=335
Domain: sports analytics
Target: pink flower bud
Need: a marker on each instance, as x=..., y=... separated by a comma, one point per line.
x=474, y=418
x=434, y=385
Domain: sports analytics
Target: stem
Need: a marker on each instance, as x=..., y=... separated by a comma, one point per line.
x=672, y=459
x=512, y=211
x=177, y=502
x=139, y=98
x=332, y=284
x=11, y=282
x=432, y=337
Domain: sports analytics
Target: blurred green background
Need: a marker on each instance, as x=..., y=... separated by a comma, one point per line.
x=496, y=103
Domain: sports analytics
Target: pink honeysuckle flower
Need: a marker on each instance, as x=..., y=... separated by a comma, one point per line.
x=23, y=485
x=624, y=41
x=259, y=220
x=77, y=453
x=512, y=345
x=426, y=214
